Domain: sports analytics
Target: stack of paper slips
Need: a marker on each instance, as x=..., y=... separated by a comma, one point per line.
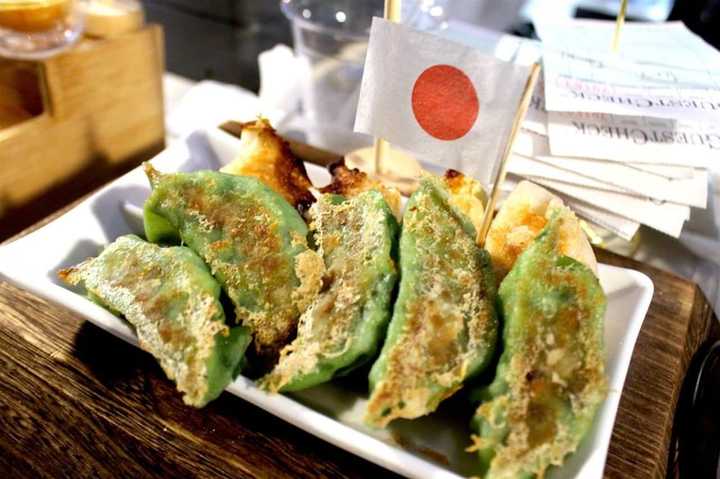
x=626, y=138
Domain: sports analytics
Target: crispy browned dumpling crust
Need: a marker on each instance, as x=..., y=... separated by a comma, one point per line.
x=350, y=182
x=267, y=157
x=467, y=195
x=347, y=181
x=521, y=218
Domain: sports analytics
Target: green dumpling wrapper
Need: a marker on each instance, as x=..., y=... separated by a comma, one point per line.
x=550, y=380
x=254, y=242
x=169, y=297
x=444, y=325
x=344, y=326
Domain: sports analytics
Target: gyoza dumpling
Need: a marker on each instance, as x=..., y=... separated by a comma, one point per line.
x=169, y=297
x=550, y=380
x=444, y=326
x=344, y=326
x=254, y=242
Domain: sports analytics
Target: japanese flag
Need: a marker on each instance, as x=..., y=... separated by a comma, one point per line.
x=446, y=103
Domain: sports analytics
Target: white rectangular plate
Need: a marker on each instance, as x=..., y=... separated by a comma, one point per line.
x=332, y=411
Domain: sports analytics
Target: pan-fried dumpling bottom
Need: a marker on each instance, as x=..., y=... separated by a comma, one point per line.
x=444, y=326
x=349, y=182
x=522, y=216
x=169, y=297
x=264, y=155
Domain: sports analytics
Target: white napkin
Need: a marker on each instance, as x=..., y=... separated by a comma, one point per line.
x=210, y=103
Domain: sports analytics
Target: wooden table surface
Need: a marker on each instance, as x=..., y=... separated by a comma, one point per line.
x=76, y=401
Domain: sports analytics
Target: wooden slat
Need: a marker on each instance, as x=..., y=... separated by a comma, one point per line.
x=102, y=115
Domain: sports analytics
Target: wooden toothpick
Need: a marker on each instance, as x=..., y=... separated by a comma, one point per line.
x=381, y=151
x=618, y=26
x=392, y=13
x=500, y=177
x=392, y=10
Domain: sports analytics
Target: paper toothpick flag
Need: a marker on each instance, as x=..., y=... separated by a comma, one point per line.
x=447, y=103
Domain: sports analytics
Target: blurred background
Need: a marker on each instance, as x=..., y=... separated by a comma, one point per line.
x=220, y=39
x=123, y=95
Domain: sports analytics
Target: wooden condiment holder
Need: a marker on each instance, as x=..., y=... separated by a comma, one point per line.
x=76, y=120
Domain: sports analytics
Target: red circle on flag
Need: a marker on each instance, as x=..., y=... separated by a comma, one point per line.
x=444, y=102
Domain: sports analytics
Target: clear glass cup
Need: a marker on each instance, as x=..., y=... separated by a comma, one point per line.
x=331, y=37
x=36, y=29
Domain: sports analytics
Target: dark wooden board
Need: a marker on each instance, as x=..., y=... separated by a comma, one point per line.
x=679, y=321
x=75, y=401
